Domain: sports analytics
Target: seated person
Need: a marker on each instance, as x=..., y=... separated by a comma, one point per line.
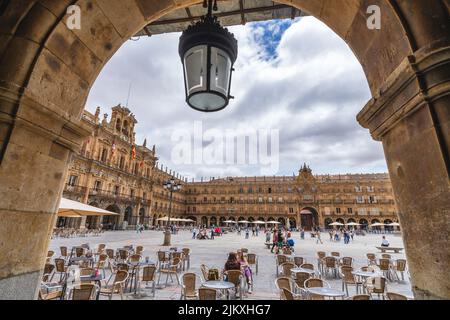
x=232, y=263
x=245, y=269
x=384, y=242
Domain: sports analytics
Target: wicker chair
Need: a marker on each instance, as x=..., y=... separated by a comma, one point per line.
x=315, y=283
x=169, y=270
x=286, y=267
x=79, y=252
x=186, y=258
x=123, y=255
x=50, y=254
x=285, y=282
x=110, y=254
x=235, y=277
x=395, y=296
x=286, y=294
x=385, y=267
x=48, y=272
x=148, y=275
x=386, y=256
x=60, y=267
x=346, y=261
x=244, y=250
x=335, y=254
x=330, y=264
x=83, y=292
x=376, y=285
x=101, y=263
x=139, y=250
x=320, y=256
x=162, y=259
x=400, y=266
x=134, y=258
x=298, y=261
x=359, y=297
x=63, y=253
x=280, y=259
x=371, y=259
x=348, y=278
x=205, y=272
x=188, y=289
x=117, y=286
x=100, y=249
x=252, y=259
x=207, y=294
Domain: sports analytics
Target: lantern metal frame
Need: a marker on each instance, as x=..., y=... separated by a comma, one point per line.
x=210, y=34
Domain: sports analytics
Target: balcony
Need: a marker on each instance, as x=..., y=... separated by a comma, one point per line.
x=74, y=190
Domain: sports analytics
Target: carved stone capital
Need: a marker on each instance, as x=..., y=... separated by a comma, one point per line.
x=420, y=79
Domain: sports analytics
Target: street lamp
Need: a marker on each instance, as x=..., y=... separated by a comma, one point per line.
x=172, y=186
x=208, y=52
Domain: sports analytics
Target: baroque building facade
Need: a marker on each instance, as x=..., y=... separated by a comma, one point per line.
x=114, y=173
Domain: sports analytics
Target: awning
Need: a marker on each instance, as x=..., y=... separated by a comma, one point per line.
x=70, y=208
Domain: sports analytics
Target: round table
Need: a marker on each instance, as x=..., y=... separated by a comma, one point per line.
x=219, y=285
x=367, y=274
x=327, y=292
x=295, y=270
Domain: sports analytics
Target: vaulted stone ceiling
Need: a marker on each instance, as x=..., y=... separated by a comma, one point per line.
x=230, y=13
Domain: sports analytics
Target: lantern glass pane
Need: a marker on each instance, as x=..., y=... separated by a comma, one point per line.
x=195, y=69
x=220, y=71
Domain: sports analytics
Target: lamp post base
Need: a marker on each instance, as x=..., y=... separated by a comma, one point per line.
x=167, y=236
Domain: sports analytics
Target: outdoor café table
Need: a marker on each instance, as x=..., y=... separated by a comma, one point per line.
x=135, y=268
x=94, y=278
x=219, y=285
x=80, y=259
x=295, y=270
x=363, y=275
x=327, y=292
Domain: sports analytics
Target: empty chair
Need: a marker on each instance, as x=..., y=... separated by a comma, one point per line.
x=205, y=272
x=123, y=266
x=395, y=296
x=79, y=252
x=50, y=254
x=286, y=294
x=139, y=250
x=235, y=277
x=349, y=279
x=170, y=270
x=63, y=253
x=286, y=268
x=134, y=258
x=207, y=294
x=252, y=259
x=300, y=278
x=162, y=259
x=188, y=289
x=117, y=286
x=347, y=261
x=386, y=256
x=298, y=261
x=335, y=254
x=376, y=285
x=101, y=263
x=371, y=259
x=316, y=283
x=186, y=258
x=385, y=267
x=48, y=272
x=83, y=292
x=330, y=264
x=123, y=255
x=100, y=249
x=280, y=259
x=284, y=282
x=60, y=267
x=359, y=297
x=148, y=275
x=320, y=256
x=400, y=267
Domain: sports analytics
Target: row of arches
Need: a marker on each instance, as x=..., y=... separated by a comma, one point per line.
x=364, y=223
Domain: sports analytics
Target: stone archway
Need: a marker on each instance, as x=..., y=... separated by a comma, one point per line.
x=47, y=70
x=327, y=223
x=111, y=222
x=309, y=218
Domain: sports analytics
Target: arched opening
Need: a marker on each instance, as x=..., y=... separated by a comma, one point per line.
x=128, y=217
x=52, y=77
x=222, y=221
x=327, y=223
x=386, y=227
x=292, y=223
x=204, y=221
x=364, y=224
x=340, y=220
x=213, y=222
x=111, y=222
x=309, y=218
x=375, y=228
x=142, y=218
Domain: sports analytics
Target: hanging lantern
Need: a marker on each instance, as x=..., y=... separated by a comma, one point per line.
x=208, y=52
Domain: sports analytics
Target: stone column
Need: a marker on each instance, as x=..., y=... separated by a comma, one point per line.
x=36, y=145
x=411, y=116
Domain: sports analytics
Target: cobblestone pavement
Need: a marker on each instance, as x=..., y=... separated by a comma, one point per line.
x=213, y=253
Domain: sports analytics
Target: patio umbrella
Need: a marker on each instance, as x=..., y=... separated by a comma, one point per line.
x=167, y=219
x=70, y=208
x=259, y=222
x=394, y=224
x=353, y=224
x=336, y=224
x=376, y=224
x=243, y=221
x=273, y=222
x=229, y=221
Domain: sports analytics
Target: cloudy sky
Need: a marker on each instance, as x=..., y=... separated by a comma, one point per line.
x=297, y=80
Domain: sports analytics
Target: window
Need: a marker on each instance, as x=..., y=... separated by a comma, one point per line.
x=350, y=210
x=260, y=190
x=360, y=199
x=358, y=189
x=372, y=199
x=250, y=190
x=260, y=199
x=132, y=193
x=122, y=162
x=327, y=211
x=291, y=210
x=241, y=190
x=362, y=211
x=338, y=210
x=144, y=195
x=270, y=200
x=280, y=199
x=370, y=189
x=269, y=190
x=194, y=209
x=205, y=199
x=72, y=181
x=289, y=189
x=104, y=155
x=97, y=185
x=116, y=190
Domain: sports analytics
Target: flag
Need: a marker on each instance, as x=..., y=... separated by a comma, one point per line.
x=133, y=153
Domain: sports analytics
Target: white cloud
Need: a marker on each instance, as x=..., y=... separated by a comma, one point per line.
x=311, y=92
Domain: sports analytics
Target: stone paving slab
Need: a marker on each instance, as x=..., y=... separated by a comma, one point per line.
x=213, y=253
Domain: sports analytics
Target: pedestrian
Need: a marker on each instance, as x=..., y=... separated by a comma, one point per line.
x=267, y=237
x=194, y=233
x=351, y=234
x=247, y=233
x=274, y=240
x=302, y=234
x=212, y=233
x=318, y=237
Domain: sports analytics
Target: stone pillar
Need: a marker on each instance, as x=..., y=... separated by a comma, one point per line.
x=36, y=145
x=411, y=116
